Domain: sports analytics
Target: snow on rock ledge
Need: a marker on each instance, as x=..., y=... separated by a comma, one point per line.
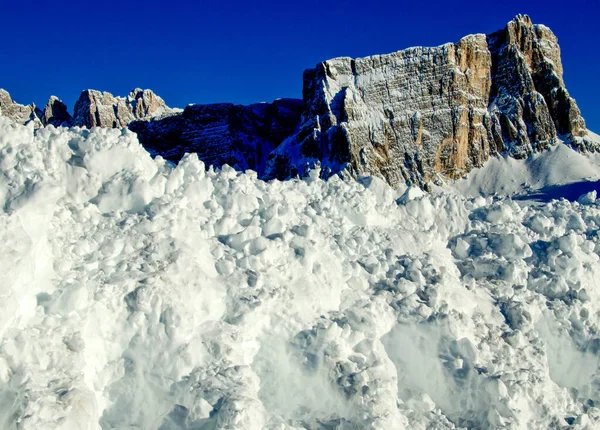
x=138, y=294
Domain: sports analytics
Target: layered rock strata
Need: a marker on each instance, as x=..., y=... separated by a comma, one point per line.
x=423, y=114
x=102, y=109
x=241, y=136
x=413, y=116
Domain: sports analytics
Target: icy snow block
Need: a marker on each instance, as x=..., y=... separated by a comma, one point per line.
x=413, y=193
x=588, y=198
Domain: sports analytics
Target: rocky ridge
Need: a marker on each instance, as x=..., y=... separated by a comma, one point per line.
x=414, y=116
x=92, y=109
x=240, y=136
x=102, y=109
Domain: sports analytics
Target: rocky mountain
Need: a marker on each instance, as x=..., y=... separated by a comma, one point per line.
x=92, y=109
x=102, y=109
x=423, y=114
x=418, y=115
x=56, y=113
x=413, y=116
x=17, y=112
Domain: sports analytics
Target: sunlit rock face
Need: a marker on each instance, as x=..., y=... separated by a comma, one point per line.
x=17, y=112
x=102, y=109
x=420, y=114
x=92, y=109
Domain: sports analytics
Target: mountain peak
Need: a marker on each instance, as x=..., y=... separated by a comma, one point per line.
x=102, y=109
x=56, y=113
x=20, y=113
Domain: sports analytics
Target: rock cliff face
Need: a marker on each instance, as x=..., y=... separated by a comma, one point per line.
x=422, y=114
x=102, y=109
x=241, y=136
x=17, y=112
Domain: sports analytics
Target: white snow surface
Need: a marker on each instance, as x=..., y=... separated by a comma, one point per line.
x=506, y=176
x=139, y=295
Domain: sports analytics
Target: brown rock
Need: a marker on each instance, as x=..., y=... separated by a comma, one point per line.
x=426, y=114
x=19, y=113
x=102, y=109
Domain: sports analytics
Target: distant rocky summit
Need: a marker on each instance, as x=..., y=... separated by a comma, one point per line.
x=56, y=113
x=92, y=109
x=19, y=113
x=415, y=116
x=102, y=109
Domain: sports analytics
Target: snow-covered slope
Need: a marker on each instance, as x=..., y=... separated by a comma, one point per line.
x=138, y=295
x=554, y=173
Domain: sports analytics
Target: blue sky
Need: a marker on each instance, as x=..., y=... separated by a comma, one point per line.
x=245, y=52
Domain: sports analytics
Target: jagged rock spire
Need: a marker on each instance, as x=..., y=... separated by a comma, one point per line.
x=56, y=113
x=102, y=109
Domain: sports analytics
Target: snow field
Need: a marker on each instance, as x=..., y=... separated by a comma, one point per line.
x=139, y=295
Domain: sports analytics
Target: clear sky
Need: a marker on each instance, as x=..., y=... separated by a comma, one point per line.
x=252, y=51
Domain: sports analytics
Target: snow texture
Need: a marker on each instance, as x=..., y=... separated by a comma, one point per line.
x=554, y=173
x=136, y=294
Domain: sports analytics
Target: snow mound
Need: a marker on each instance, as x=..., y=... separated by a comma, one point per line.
x=140, y=295
x=543, y=173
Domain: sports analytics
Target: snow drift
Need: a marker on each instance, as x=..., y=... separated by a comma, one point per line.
x=140, y=295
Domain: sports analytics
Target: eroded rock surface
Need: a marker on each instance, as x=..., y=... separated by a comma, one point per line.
x=415, y=116
x=422, y=114
x=241, y=136
x=56, y=113
x=102, y=109
x=17, y=112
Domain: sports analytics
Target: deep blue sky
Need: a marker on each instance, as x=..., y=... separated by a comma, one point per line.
x=245, y=52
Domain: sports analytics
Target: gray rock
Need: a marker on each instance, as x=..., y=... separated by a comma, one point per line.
x=102, y=109
x=241, y=136
x=424, y=114
x=415, y=116
x=17, y=112
x=56, y=113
